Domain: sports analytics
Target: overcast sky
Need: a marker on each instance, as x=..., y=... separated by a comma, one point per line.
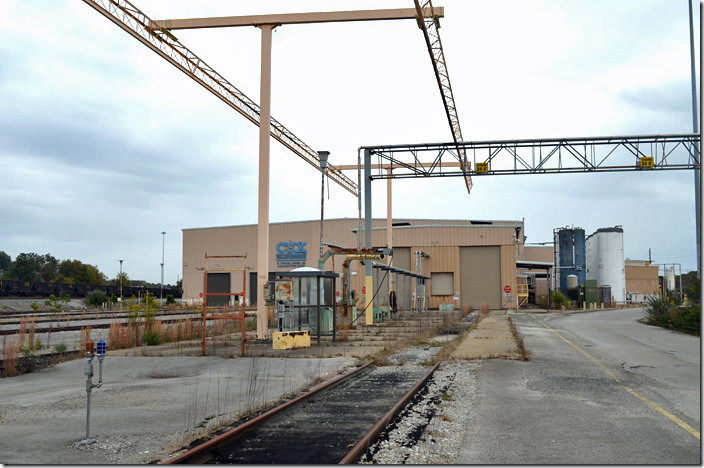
x=104, y=145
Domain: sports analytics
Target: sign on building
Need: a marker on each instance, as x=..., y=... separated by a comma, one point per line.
x=291, y=254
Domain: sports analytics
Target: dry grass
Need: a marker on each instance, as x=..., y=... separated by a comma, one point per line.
x=26, y=331
x=119, y=336
x=484, y=308
x=10, y=353
x=525, y=355
x=447, y=418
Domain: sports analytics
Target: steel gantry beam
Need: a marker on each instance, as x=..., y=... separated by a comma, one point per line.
x=165, y=44
x=541, y=156
x=429, y=23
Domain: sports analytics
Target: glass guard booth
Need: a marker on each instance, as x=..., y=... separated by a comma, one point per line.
x=313, y=305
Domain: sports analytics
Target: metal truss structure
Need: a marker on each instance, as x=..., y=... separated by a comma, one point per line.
x=139, y=25
x=430, y=25
x=542, y=156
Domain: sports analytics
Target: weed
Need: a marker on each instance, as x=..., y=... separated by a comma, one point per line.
x=10, y=352
x=447, y=418
x=484, y=308
x=447, y=397
x=60, y=348
x=525, y=355
x=152, y=338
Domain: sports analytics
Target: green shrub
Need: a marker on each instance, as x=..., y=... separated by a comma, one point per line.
x=113, y=298
x=35, y=307
x=688, y=319
x=657, y=310
x=60, y=348
x=170, y=299
x=37, y=344
x=558, y=299
x=96, y=298
x=152, y=338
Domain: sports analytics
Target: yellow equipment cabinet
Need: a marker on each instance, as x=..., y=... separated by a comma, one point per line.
x=291, y=339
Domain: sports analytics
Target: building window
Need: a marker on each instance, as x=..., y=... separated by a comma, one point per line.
x=442, y=284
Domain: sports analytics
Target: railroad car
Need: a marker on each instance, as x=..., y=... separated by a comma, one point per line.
x=15, y=288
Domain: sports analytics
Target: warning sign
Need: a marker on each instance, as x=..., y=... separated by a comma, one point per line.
x=482, y=167
x=507, y=289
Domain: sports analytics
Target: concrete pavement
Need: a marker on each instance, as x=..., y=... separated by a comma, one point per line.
x=564, y=406
x=146, y=407
x=491, y=338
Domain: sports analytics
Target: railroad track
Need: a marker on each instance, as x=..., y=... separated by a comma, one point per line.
x=334, y=423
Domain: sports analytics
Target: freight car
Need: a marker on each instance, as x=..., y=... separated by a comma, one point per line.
x=13, y=288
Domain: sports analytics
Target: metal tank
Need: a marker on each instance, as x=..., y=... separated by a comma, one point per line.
x=607, y=263
x=572, y=282
x=670, y=279
x=572, y=255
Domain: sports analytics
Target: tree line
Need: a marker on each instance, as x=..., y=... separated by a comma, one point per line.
x=35, y=267
x=46, y=268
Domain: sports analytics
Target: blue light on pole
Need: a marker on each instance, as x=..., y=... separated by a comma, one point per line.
x=102, y=348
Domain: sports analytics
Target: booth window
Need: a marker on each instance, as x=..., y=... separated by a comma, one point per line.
x=442, y=284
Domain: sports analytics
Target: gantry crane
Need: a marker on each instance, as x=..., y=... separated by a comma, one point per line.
x=430, y=25
x=165, y=44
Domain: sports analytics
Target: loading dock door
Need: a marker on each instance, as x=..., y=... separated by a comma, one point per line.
x=480, y=276
x=252, y=287
x=218, y=283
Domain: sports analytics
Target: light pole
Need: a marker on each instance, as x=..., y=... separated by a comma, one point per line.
x=161, y=294
x=121, y=283
x=323, y=155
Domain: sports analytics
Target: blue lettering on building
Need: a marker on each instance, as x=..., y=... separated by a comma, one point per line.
x=291, y=254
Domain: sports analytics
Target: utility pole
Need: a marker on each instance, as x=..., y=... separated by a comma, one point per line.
x=650, y=257
x=695, y=129
x=161, y=293
x=323, y=156
x=121, y=284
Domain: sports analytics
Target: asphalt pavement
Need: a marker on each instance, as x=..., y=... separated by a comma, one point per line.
x=600, y=388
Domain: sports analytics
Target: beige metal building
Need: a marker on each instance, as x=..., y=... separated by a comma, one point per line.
x=641, y=280
x=470, y=262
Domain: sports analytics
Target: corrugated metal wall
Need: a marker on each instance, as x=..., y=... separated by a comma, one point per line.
x=441, y=239
x=642, y=279
x=539, y=254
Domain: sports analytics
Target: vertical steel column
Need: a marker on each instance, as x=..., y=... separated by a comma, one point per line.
x=368, y=283
x=389, y=225
x=388, y=294
x=263, y=211
x=405, y=295
x=695, y=129
x=396, y=289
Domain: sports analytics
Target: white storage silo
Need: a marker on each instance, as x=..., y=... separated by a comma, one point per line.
x=670, y=279
x=610, y=261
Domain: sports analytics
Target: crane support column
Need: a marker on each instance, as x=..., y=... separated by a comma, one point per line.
x=263, y=211
x=368, y=282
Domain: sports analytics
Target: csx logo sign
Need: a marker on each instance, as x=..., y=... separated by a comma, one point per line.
x=291, y=247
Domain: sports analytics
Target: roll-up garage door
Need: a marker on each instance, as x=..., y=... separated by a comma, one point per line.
x=218, y=283
x=480, y=276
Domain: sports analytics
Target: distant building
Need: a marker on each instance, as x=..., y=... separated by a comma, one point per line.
x=641, y=280
x=605, y=261
x=470, y=262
